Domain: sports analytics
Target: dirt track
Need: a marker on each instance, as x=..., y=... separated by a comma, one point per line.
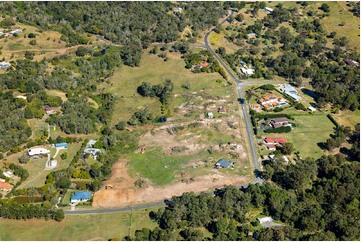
x=125, y=194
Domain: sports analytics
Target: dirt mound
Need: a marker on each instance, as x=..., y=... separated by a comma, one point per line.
x=124, y=193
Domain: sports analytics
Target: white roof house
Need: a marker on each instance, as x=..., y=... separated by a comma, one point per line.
x=8, y=173
x=265, y=219
x=248, y=71
x=16, y=31
x=21, y=97
x=251, y=35
x=268, y=10
x=91, y=143
x=4, y=64
x=290, y=90
x=92, y=151
x=38, y=151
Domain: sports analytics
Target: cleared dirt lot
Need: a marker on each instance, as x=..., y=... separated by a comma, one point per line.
x=124, y=193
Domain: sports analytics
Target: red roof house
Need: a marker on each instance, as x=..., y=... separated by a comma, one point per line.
x=275, y=140
x=5, y=186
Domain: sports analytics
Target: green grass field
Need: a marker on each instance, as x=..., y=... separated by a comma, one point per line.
x=155, y=70
x=156, y=166
x=311, y=130
x=76, y=227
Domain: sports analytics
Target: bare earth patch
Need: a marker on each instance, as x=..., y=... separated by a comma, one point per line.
x=124, y=193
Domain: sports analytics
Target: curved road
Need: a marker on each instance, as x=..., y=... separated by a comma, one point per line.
x=249, y=132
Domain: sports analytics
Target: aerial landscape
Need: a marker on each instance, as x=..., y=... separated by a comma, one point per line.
x=158, y=121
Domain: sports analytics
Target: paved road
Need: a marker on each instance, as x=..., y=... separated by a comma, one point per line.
x=249, y=132
x=243, y=105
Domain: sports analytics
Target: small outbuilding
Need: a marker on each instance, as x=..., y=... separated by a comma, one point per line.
x=91, y=143
x=312, y=109
x=62, y=145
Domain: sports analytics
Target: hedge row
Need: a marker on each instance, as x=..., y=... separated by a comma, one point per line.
x=286, y=129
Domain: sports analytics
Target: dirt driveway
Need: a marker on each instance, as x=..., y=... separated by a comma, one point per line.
x=124, y=193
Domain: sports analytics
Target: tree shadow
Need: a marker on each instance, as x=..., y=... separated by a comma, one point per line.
x=322, y=145
x=310, y=93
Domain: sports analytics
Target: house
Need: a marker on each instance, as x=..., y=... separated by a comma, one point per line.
x=210, y=115
x=50, y=110
x=80, y=197
x=268, y=10
x=273, y=141
x=312, y=109
x=21, y=97
x=223, y=163
x=178, y=10
x=278, y=122
x=251, y=35
x=272, y=101
x=248, y=71
x=271, y=147
x=91, y=143
x=16, y=31
x=222, y=109
x=290, y=91
x=203, y=64
x=4, y=65
x=8, y=174
x=244, y=64
x=351, y=62
x=61, y=145
x=4, y=186
x=38, y=151
x=264, y=220
x=92, y=151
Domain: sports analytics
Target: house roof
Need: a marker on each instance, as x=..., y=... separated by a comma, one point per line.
x=91, y=143
x=63, y=144
x=81, y=196
x=49, y=108
x=311, y=108
x=203, y=64
x=38, y=151
x=224, y=163
x=351, y=62
x=4, y=185
x=281, y=140
x=279, y=120
x=271, y=147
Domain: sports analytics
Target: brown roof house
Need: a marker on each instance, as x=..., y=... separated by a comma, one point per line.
x=278, y=122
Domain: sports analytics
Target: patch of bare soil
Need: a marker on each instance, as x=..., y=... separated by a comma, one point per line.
x=124, y=193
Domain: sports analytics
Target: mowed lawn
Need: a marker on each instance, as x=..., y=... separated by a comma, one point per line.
x=155, y=166
x=155, y=70
x=77, y=227
x=311, y=129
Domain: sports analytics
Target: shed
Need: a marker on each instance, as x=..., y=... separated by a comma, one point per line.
x=210, y=115
x=224, y=163
x=61, y=145
x=268, y=10
x=4, y=65
x=80, y=197
x=265, y=219
x=251, y=35
x=312, y=109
